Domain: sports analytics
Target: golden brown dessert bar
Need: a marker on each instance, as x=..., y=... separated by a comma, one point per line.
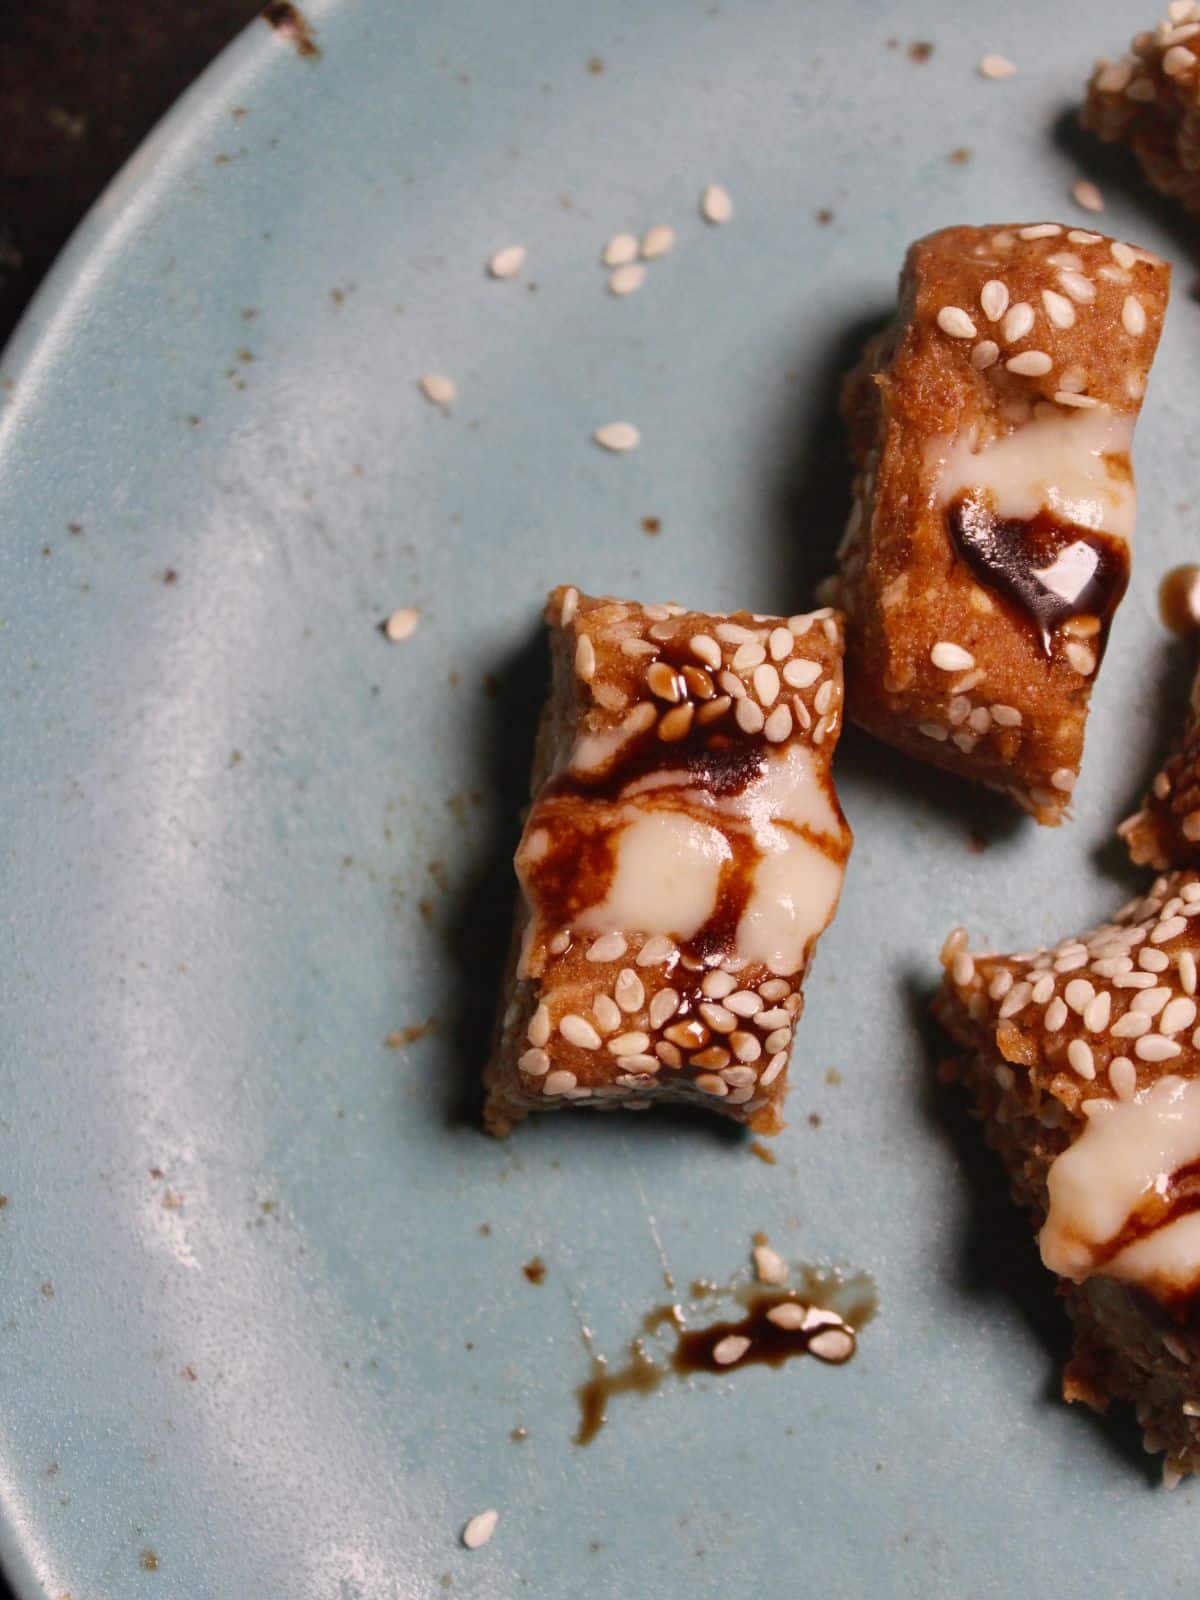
x=1165, y=831
x=684, y=852
x=1150, y=100
x=1084, y=1063
x=987, y=547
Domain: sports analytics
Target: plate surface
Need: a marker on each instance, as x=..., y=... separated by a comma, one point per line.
x=255, y=1340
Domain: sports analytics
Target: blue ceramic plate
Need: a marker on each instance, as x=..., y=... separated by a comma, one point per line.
x=265, y=1325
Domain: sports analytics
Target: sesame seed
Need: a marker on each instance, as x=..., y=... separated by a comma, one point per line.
x=620, y=250
x=1153, y=960
x=1079, y=1054
x=1001, y=984
x=800, y=673
x=1179, y=1014
x=1040, y=230
x=993, y=297
x=1081, y=658
x=1058, y=308
x=745, y=1045
x=1082, y=290
x=617, y=436
x=1177, y=60
x=629, y=1044
x=402, y=624
x=1123, y=254
x=778, y=725
x=955, y=321
x=1122, y=1074
x=1078, y=994
x=705, y=649
x=1018, y=320
x=1187, y=971
x=709, y=1083
x=1153, y=1047
x=535, y=1063
x=1114, y=77
x=1065, y=397
x=1015, y=1000
x=1081, y=236
x=657, y=241
x=480, y=1529
x=1097, y=1012
x=508, y=262
x=985, y=354
x=627, y=279
x=745, y=1003
x=538, y=1030
x=1042, y=989
x=734, y=633
x=749, y=716
x=778, y=1039
x=730, y=1349
x=578, y=1031
x=1062, y=778
x=559, y=1082
x=780, y=643
x=766, y=683
x=1055, y=1014
x=774, y=1067
x=950, y=657
x=607, y=1013
x=1167, y=929
x=1133, y=313
x=1030, y=364
x=992, y=66
x=629, y=991
x=715, y=204
x=585, y=658
x=438, y=390
x=1151, y=1001
x=1087, y=195
x=934, y=730
x=663, y=1007
x=1130, y=1025
x=962, y=969
x=717, y=984
x=717, y=1017
x=769, y=1265
x=789, y=1315
x=1006, y=716
x=677, y=722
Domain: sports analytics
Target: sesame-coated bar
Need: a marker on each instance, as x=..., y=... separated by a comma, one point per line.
x=1084, y=1063
x=987, y=547
x=1164, y=831
x=1149, y=99
x=683, y=854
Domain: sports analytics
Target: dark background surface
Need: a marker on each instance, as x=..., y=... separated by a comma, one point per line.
x=81, y=84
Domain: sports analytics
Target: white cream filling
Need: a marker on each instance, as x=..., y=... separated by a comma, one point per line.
x=669, y=861
x=1049, y=463
x=1128, y=1149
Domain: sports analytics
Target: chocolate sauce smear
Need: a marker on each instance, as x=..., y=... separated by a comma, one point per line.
x=838, y=1307
x=1046, y=569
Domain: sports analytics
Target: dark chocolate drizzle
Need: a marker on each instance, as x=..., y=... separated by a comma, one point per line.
x=1045, y=569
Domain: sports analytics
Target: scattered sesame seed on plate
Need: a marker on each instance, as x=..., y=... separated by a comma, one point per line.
x=657, y=241
x=508, y=262
x=480, y=1529
x=996, y=67
x=627, y=279
x=438, y=390
x=617, y=436
x=402, y=624
x=715, y=204
x=1085, y=194
x=620, y=249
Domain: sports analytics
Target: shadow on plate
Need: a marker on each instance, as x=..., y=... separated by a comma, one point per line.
x=1115, y=169
x=997, y=1256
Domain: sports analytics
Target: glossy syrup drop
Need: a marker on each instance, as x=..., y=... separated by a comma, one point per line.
x=1179, y=601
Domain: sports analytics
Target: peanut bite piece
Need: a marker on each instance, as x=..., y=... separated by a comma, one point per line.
x=1083, y=1061
x=684, y=852
x=1149, y=99
x=988, y=543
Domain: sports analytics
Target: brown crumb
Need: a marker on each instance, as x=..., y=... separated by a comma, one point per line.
x=759, y=1238
x=188, y=1372
x=824, y=216
x=814, y=1119
x=763, y=1152
x=156, y=1173
x=75, y=528
x=651, y=525
x=919, y=51
x=833, y=1077
x=148, y=1561
x=485, y=1228
x=291, y=22
x=960, y=156
x=410, y=1035
x=48, y=1290
x=595, y=66
x=518, y=1435
x=535, y=1270
x=170, y=576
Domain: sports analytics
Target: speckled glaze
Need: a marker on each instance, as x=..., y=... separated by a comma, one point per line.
x=253, y=1340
